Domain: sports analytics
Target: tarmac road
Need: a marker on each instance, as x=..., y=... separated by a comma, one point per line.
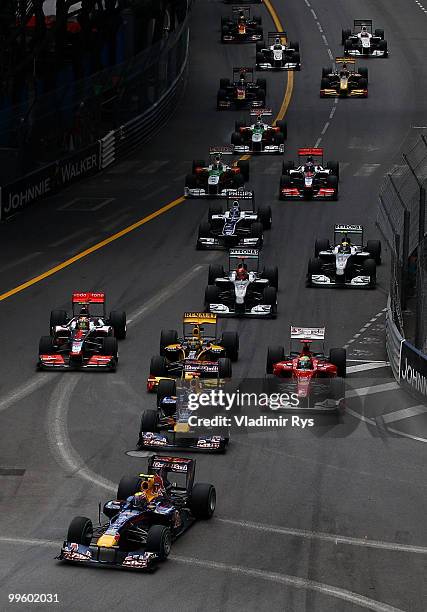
x=327, y=521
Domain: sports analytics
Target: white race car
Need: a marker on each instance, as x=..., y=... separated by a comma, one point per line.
x=361, y=40
x=277, y=54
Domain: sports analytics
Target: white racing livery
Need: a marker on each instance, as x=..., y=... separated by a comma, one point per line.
x=362, y=41
x=243, y=290
x=259, y=137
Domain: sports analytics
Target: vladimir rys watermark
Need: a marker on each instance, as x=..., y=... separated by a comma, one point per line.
x=217, y=398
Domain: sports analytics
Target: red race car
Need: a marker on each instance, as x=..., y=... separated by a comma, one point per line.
x=307, y=363
x=310, y=179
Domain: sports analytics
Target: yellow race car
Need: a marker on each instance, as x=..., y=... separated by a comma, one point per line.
x=198, y=354
x=344, y=81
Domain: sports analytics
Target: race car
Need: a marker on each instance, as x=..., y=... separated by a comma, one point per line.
x=149, y=513
x=244, y=290
x=87, y=339
x=310, y=180
x=276, y=54
x=306, y=364
x=242, y=91
x=344, y=81
x=216, y=179
x=241, y=27
x=198, y=354
x=170, y=426
x=241, y=225
x=361, y=40
x=259, y=137
x=348, y=264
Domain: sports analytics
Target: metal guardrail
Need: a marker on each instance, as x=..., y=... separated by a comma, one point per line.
x=393, y=341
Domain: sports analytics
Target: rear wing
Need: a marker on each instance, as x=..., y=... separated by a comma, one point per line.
x=313, y=152
x=275, y=34
x=178, y=465
x=223, y=149
x=198, y=318
x=358, y=23
x=243, y=70
x=261, y=112
x=240, y=195
x=244, y=253
x=354, y=229
x=307, y=333
x=88, y=298
x=345, y=60
x=241, y=9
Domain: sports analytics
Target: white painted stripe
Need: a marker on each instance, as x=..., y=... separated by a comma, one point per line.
x=392, y=430
x=58, y=243
x=325, y=40
x=18, y=262
x=367, y=169
x=317, y=143
x=325, y=127
x=364, y=391
x=366, y=366
x=404, y=413
x=314, y=14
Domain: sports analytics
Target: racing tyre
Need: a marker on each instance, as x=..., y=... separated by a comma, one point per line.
x=261, y=96
x=205, y=229
x=159, y=541
x=374, y=248
x=197, y=163
x=364, y=73
x=296, y=58
x=344, y=35
x=379, y=33
x=259, y=58
x=324, y=83
x=278, y=139
x=321, y=245
x=110, y=346
x=257, y=230
x=332, y=183
x=338, y=357
x=348, y=46
x=224, y=21
x=221, y=97
x=272, y=274
x=334, y=167
x=224, y=32
x=287, y=166
x=224, y=83
x=128, y=485
x=149, y=422
x=382, y=46
x=363, y=84
x=315, y=265
x=239, y=124
x=264, y=215
x=270, y=298
x=325, y=72
x=117, y=321
x=203, y=500
x=236, y=138
x=283, y=127
x=215, y=271
x=80, y=531
x=57, y=317
x=158, y=366
x=238, y=180
x=191, y=181
x=262, y=84
x=46, y=345
x=294, y=45
x=244, y=168
x=285, y=183
x=260, y=44
x=274, y=355
x=258, y=19
x=215, y=209
x=211, y=296
x=167, y=337
x=258, y=30
x=370, y=269
x=165, y=388
x=224, y=367
x=230, y=341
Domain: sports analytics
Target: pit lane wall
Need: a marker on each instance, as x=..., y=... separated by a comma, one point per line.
x=409, y=365
x=113, y=147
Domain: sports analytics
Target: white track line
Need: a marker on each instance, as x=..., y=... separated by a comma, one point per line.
x=365, y=327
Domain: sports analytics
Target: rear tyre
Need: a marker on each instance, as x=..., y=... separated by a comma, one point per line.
x=338, y=357
x=46, y=345
x=265, y=217
x=110, y=346
x=294, y=45
x=379, y=33
x=158, y=366
x=334, y=167
x=165, y=388
x=370, y=269
x=159, y=541
x=344, y=35
x=315, y=265
x=221, y=97
x=191, y=181
x=224, y=367
x=128, y=486
x=57, y=317
x=287, y=166
x=382, y=46
x=230, y=341
x=211, y=296
x=364, y=73
x=259, y=58
x=274, y=355
x=270, y=298
x=239, y=124
x=149, y=422
x=224, y=83
x=214, y=209
x=272, y=275
x=324, y=83
x=203, y=500
x=167, y=337
x=325, y=72
x=332, y=183
x=363, y=84
x=80, y=531
x=260, y=44
x=236, y=138
x=198, y=163
x=374, y=248
x=244, y=168
x=205, y=230
x=283, y=126
x=321, y=245
x=215, y=271
x=257, y=230
x=118, y=323
x=262, y=84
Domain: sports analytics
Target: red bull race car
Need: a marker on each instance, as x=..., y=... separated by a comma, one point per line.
x=241, y=26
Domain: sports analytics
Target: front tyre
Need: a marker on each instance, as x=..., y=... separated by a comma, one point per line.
x=80, y=531
x=159, y=541
x=203, y=500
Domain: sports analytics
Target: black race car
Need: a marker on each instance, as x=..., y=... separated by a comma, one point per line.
x=150, y=512
x=216, y=179
x=362, y=41
x=245, y=289
x=242, y=91
x=241, y=27
x=310, y=179
x=171, y=426
x=277, y=54
x=241, y=224
x=344, y=81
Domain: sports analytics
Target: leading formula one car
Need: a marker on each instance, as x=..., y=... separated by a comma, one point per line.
x=216, y=179
x=307, y=363
x=311, y=179
x=348, y=264
x=245, y=289
x=259, y=137
x=344, y=81
x=170, y=426
x=198, y=354
x=361, y=40
x=87, y=339
x=148, y=514
x=241, y=27
x=242, y=91
x=276, y=54
x=241, y=224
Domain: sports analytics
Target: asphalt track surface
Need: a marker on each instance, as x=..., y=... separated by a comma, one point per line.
x=331, y=521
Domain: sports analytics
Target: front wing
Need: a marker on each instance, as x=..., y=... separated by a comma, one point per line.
x=202, y=192
x=189, y=441
x=226, y=242
x=107, y=557
x=261, y=310
x=293, y=193
x=59, y=362
x=336, y=93
x=322, y=280
x=266, y=149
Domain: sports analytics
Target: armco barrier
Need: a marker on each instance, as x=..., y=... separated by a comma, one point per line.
x=393, y=341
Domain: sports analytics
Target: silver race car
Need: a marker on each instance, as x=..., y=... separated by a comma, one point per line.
x=362, y=41
x=244, y=290
x=277, y=54
x=348, y=264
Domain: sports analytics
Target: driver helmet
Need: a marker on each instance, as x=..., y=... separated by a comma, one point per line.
x=139, y=500
x=364, y=31
x=217, y=162
x=345, y=246
x=344, y=70
x=84, y=311
x=304, y=363
x=259, y=121
x=235, y=208
x=241, y=16
x=309, y=165
x=195, y=342
x=242, y=78
x=242, y=272
x=277, y=41
x=83, y=323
